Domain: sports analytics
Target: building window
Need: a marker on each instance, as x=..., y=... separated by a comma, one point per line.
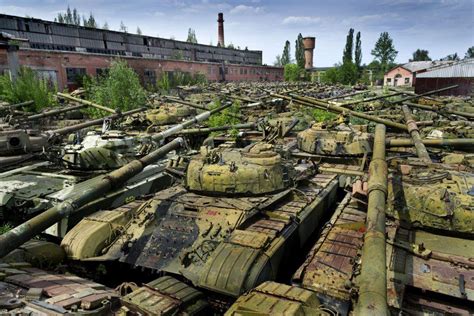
x=389, y=80
x=101, y=72
x=241, y=71
x=407, y=80
x=74, y=75
x=149, y=77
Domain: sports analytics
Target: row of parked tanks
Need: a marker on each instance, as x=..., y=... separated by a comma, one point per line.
x=272, y=214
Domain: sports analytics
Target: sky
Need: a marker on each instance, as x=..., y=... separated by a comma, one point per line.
x=442, y=27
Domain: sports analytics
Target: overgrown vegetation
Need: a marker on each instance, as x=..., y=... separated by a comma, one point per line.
x=28, y=86
x=170, y=80
x=293, y=72
x=322, y=115
x=118, y=89
x=5, y=228
x=227, y=116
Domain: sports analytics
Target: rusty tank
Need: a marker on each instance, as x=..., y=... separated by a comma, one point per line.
x=239, y=211
x=397, y=244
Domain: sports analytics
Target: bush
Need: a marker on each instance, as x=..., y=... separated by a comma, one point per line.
x=292, y=72
x=118, y=89
x=28, y=86
x=330, y=76
x=223, y=118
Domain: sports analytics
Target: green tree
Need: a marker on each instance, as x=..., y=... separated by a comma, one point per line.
x=286, y=57
x=76, y=17
x=420, y=55
x=358, y=53
x=277, y=61
x=105, y=26
x=453, y=57
x=119, y=89
x=191, y=36
x=292, y=72
x=347, y=54
x=299, y=51
x=470, y=52
x=330, y=76
x=347, y=73
x=123, y=28
x=90, y=22
x=139, y=32
x=231, y=46
x=384, y=51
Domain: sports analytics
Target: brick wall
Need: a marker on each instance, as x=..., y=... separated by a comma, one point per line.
x=55, y=64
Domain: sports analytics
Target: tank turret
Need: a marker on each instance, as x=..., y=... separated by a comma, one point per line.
x=23, y=143
x=255, y=170
x=326, y=139
x=108, y=150
x=168, y=114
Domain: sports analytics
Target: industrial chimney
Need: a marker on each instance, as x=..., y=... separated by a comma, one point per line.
x=308, y=43
x=220, y=30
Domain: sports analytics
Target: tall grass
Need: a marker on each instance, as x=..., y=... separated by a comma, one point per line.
x=28, y=86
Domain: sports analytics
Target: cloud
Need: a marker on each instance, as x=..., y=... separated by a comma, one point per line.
x=301, y=20
x=158, y=13
x=246, y=9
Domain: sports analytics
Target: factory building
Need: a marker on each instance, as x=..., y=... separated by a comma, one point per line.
x=460, y=73
x=61, y=52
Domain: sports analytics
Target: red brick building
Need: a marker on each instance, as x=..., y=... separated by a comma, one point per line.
x=63, y=52
x=63, y=67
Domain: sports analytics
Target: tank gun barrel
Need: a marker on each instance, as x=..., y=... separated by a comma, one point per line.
x=198, y=118
x=439, y=109
x=415, y=135
x=373, y=277
x=89, y=103
x=54, y=112
x=337, y=109
x=73, y=128
x=16, y=105
x=351, y=94
x=378, y=97
x=184, y=102
x=416, y=96
x=449, y=142
x=24, y=232
x=197, y=106
x=208, y=130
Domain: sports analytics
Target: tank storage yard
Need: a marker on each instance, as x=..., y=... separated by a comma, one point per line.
x=149, y=176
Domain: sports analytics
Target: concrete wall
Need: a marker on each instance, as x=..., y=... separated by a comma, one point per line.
x=55, y=64
x=398, y=76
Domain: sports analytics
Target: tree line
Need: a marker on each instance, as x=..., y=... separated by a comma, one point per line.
x=351, y=69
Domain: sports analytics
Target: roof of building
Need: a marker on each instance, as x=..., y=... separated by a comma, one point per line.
x=460, y=69
x=416, y=66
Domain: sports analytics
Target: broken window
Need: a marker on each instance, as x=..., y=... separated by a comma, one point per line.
x=149, y=77
x=74, y=75
x=407, y=80
x=389, y=80
x=100, y=72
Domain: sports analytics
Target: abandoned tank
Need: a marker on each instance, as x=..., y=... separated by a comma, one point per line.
x=243, y=212
x=414, y=259
x=29, y=190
